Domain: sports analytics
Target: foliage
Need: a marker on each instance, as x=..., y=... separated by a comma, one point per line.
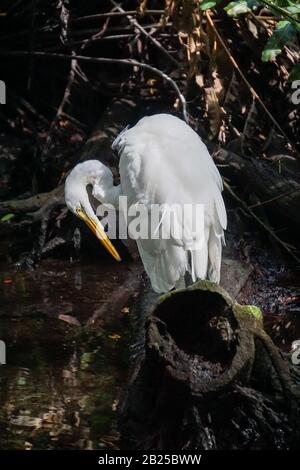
x=284, y=32
x=242, y=6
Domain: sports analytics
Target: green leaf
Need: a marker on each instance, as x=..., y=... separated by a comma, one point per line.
x=286, y=9
x=239, y=7
x=207, y=4
x=7, y=217
x=284, y=33
x=295, y=73
x=293, y=9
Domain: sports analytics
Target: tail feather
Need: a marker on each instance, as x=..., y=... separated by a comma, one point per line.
x=165, y=268
x=214, y=255
x=198, y=263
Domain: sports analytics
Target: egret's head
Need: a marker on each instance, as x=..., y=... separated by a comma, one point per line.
x=87, y=173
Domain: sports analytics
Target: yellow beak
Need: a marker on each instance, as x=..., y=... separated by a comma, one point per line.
x=98, y=230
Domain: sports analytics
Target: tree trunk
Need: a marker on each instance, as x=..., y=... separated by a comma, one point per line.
x=211, y=378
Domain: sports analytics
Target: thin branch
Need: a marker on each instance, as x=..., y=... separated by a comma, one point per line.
x=64, y=19
x=114, y=29
x=60, y=109
x=92, y=40
x=32, y=42
x=249, y=119
x=98, y=35
x=280, y=10
x=248, y=84
x=106, y=60
x=260, y=222
x=115, y=14
x=275, y=198
x=154, y=41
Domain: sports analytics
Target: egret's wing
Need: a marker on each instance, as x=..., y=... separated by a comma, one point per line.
x=163, y=161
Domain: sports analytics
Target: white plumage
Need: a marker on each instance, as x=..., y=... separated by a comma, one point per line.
x=163, y=161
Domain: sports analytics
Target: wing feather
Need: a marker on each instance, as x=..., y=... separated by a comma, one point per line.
x=163, y=161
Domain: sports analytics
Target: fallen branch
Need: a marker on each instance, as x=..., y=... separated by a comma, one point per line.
x=32, y=204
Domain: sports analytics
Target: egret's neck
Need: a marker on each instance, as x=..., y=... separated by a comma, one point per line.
x=112, y=195
x=107, y=193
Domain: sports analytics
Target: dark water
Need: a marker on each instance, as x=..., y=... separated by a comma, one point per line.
x=62, y=381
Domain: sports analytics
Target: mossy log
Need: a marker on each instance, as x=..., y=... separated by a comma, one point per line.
x=211, y=378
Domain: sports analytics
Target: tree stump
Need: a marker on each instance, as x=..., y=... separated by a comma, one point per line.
x=211, y=378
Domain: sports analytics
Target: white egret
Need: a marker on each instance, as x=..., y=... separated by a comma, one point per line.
x=162, y=161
